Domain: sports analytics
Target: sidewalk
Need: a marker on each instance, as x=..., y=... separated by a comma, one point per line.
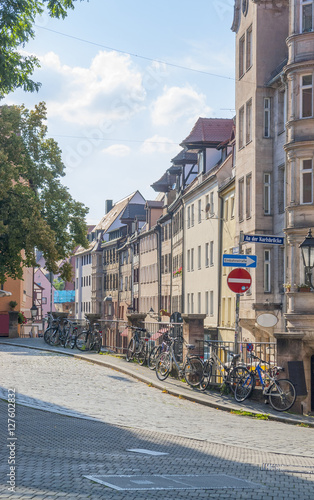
x=172, y=386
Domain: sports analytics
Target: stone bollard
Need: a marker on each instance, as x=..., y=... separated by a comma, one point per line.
x=193, y=329
x=13, y=324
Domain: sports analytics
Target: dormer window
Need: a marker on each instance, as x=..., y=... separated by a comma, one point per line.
x=201, y=162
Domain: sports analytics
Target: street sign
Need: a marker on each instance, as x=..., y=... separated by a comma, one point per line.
x=259, y=238
x=239, y=280
x=239, y=260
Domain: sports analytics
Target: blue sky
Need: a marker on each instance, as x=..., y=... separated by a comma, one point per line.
x=118, y=118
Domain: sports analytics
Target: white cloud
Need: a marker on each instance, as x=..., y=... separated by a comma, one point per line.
x=111, y=89
x=117, y=150
x=178, y=103
x=159, y=144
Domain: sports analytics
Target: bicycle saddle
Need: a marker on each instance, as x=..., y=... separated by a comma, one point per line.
x=190, y=346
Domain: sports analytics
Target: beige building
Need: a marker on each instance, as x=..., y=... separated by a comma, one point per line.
x=274, y=172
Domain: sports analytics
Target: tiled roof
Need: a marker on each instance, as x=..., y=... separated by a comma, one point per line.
x=164, y=183
x=209, y=130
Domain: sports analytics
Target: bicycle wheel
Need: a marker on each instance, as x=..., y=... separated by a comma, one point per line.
x=48, y=334
x=130, y=350
x=193, y=371
x=237, y=374
x=163, y=366
x=83, y=341
x=153, y=356
x=141, y=354
x=244, y=387
x=207, y=375
x=282, y=394
x=54, y=339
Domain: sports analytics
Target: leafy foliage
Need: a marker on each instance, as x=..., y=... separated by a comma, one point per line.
x=17, y=18
x=36, y=210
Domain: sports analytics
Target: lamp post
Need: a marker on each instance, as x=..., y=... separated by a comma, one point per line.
x=307, y=249
x=34, y=312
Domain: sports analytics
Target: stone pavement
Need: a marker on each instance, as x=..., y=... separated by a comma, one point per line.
x=59, y=456
x=55, y=454
x=172, y=386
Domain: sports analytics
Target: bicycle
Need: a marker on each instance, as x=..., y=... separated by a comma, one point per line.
x=281, y=393
x=137, y=348
x=231, y=373
x=157, y=350
x=191, y=369
x=89, y=339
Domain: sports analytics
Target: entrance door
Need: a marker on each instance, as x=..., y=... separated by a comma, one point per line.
x=312, y=383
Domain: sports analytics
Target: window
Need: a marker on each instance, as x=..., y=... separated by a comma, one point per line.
x=199, y=302
x=248, y=135
x=192, y=303
x=241, y=199
x=189, y=216
x=241, y=55
x=212, y=211
x=248, y=197
x=267, y=270
x=189, y=260
x=267, y=198
x=306, y=96
x=199, y=211
x=281, y=111
x=206, y=304
x=211, y=303
x=199, y=253
x=192, y=259
x=307, y=15
x=232, y=207
x=207, y=206
x=192, y=215
x=281, y=189
x=206, y=254
x=189, y=304
x=249, y=53
x=211, y=254
x=307, y=182
x=201, y=162
x=241, y=127
x=226, y=210
x=266, y=117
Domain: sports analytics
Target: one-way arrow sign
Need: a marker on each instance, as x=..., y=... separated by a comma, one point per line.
x=239, y=260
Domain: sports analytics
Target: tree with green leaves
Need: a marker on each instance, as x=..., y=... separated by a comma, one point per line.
x=36, y=210
x=17, y=18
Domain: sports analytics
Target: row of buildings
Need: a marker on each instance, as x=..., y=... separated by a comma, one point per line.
x=233, y=178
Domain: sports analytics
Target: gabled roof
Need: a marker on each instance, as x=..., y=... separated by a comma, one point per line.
x=113, y=214
x=209, y=132
x=133, y=211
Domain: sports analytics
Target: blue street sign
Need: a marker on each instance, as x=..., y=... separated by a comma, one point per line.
x=239, y=260
x=259, y=238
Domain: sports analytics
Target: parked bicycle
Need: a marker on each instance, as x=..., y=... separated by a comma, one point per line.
x=89, y=339
x=230, y=373
x=191, y=369
x=157, y=350
x=138, y=346
x=280, y=393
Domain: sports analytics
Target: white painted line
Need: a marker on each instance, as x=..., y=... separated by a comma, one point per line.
x=147, y=452
x=238, y=280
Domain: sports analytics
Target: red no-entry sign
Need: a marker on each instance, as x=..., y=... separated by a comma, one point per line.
x=239, y=280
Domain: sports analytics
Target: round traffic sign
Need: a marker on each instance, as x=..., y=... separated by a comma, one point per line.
x=239, y=280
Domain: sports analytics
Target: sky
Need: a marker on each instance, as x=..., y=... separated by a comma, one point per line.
x=124, y=82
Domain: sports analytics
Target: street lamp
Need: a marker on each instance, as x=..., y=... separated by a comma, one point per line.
x=307, y=249
x=34, y=311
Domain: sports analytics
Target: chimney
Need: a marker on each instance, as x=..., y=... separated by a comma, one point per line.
x=108, y=206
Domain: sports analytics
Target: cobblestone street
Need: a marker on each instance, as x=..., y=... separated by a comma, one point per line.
x=55, y=450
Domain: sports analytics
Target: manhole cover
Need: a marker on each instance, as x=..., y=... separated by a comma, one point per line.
x=171, y=482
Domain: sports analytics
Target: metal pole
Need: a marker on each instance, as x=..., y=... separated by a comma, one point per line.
x=237, y=330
